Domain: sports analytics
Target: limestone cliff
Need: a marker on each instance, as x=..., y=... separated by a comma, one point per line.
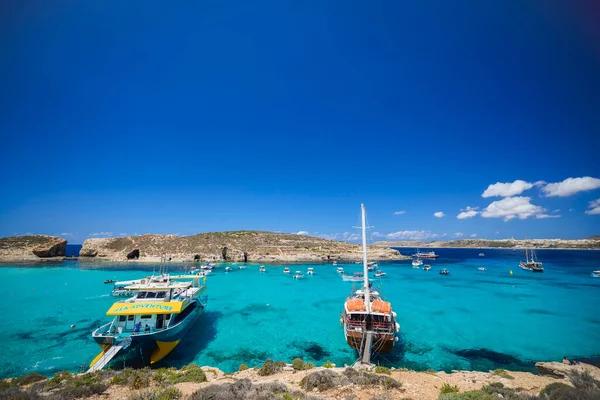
x=31, y=248
x=244, y=246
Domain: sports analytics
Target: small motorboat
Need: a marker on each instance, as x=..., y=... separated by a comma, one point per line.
x=227, y=269
x=416, y=263
x=310, y=271
x=596, y=274
x=427, y=267
x=286, y=270
x=109, y=281
x=335, y=263
x=340, y=270
x=298, y=275
x=242, y=267
x=379, y=273
x=481, y=255
x=262, y=268
x=444, y=271
x=482, y=268
x=357, y=277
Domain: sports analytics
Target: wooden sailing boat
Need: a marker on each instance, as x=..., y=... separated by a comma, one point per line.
x=531, y=265
x=370, y=325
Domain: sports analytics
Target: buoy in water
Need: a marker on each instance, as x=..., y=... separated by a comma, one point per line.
x=511, y=271
x=72, y=326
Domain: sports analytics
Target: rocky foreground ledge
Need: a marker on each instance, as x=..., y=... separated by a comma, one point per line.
x=303, y=381
x=238, y=246
x=32, y=248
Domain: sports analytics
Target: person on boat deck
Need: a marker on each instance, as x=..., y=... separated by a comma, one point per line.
x=137, y=327
x=147, y=329
x=566, y=360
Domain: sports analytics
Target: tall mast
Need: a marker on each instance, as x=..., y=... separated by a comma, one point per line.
x=365, y=269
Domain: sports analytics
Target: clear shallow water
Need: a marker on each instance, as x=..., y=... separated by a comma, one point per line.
x=468, y=320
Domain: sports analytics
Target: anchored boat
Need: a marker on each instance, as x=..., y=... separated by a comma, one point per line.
x=427, y=254
x=148, y=326
x=417, y=262
x=369, y=323
x=531, y=265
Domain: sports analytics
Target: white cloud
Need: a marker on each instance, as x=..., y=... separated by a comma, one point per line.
x=571, y=186
x=507, y=189
x=102, y=234
x=444, y=234
x=399, y=212
x=123, y=234
x=544, y=216
x=411, y=235
x=557, y=210
x=539, y=183
x=594, y=207
x=66, y=234
x=469, y=212
x=459, y=234
x=473, y=235
x=439, y=214
x=571, y=209
x=345, y=236
x=378, y=234
x=304, y=233
x=512, y=207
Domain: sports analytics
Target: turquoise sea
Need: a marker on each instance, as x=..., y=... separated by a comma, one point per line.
x=469, y=320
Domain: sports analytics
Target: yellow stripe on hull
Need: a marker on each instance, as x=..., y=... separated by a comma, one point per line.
x=104, y=347
x=162, y=350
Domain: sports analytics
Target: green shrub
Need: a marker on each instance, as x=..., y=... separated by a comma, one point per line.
x=298, y=364
x=170, y=393
x=190, y=373
x=472, y=395
x=550, y=389
x=502, y=373
x=4, y=385
x=447, y=388
x=28, y=379
x=57, y=380
x=138, y=380
x=243, y=367
x=118, y=380
x=309, y=365
x=382, y=370
x=270, y=367
x=328, y=364
x=16, y=393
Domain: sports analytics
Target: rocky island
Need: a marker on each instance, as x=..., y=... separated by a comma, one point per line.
x=592, y=243
x=32, y=248
x=240, y=246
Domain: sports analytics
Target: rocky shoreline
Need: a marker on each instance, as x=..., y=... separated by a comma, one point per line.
x=32, y=248
x=299, y=380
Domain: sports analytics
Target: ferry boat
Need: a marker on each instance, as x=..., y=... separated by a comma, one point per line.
x=427, y=254
x=379, y=273
x=310, y=271
x=370, y=325
x=531, y=265
x=416, y=263
x=119, y=287
x=286, y=270
x=444, y=271
x=596, y=274
x=148, y=326
x=427, y=267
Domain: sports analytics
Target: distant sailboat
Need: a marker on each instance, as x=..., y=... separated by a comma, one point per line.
x=531, y=265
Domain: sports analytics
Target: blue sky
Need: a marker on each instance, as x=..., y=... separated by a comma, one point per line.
x=142, y=116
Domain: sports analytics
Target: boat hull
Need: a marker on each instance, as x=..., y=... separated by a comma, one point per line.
x=382, y=343
x=147, y=349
